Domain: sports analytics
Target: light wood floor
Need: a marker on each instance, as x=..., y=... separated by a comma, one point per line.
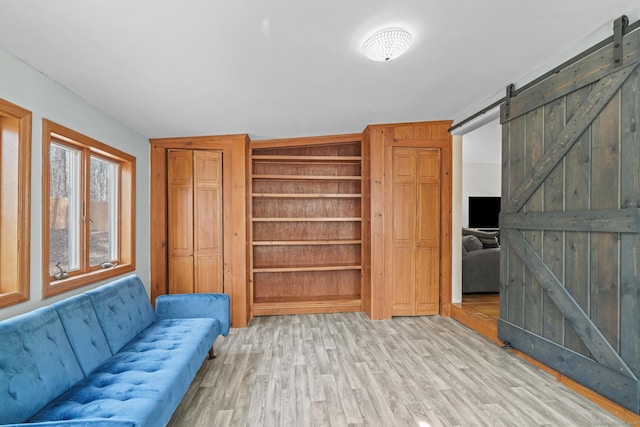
x=479, y=312
x=487, y=304
x=345, y=370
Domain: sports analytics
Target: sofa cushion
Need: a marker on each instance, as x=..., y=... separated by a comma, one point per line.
x=123, y=310
x=37, y=363
x=489, y=242
x=84, y=332
x=489, y=239
x=145, y=381
x=471, y=243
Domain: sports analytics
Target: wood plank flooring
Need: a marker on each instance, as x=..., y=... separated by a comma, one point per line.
x=485, y=303
x=479, y=312
x=345, y=370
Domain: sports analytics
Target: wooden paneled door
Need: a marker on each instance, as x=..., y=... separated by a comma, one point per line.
x=570, y=222
x=195, y=221
x=415, y=243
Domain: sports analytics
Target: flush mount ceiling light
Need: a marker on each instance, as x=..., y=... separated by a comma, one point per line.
x=387, y=44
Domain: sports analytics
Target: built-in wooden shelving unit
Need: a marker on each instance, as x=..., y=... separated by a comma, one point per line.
x=306, y=225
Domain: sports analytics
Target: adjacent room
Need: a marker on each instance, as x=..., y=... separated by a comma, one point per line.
x=481, y=189
x=411, y=213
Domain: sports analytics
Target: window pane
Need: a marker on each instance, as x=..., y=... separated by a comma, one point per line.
x=65, y=212
x=103, y=239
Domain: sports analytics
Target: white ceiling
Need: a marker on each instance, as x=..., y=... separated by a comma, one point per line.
x=283, y=68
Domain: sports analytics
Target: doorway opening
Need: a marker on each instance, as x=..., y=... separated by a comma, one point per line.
x=479, y=300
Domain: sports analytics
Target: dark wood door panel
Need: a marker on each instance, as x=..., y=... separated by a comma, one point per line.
x=570, y=225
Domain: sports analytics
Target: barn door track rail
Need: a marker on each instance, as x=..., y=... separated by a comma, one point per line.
x=621, y=27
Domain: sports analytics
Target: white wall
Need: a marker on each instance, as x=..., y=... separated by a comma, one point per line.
x=456, y=220
x=26, y=87
x=479, y=179
x=481, y=161
x=476, y=172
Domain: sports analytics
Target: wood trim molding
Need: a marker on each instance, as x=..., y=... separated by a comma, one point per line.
x=15, y=126
x=234, y=149
x=311, y=140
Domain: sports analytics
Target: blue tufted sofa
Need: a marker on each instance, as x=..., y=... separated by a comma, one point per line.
x=105, y=358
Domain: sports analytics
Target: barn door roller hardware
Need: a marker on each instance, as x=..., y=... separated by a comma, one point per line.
x=511, y=89
x=619, y=29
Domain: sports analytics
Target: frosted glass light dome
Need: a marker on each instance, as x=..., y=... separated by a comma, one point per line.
x=387, y=44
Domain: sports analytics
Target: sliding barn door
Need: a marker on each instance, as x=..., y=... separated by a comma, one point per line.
x=570, y=280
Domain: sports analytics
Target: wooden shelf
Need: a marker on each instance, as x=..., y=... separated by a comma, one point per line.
x=353, y=219
x=306, y=212
x=305, y=242
x=309, y=177
x=300, y=305
x=306, y=268
x=307, y=159
x=307, y=195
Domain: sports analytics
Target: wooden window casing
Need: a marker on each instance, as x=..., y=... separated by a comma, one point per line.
x=15, y=203
x=125, y=231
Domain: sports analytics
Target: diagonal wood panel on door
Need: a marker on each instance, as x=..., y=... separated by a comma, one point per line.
x=598, y=99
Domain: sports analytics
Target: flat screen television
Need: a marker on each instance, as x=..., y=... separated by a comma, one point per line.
x=484, y=212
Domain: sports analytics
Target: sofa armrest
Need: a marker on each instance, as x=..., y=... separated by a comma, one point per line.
x=189, y=306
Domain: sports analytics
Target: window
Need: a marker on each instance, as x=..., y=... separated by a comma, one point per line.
x=15, y=202
x=88, y=193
